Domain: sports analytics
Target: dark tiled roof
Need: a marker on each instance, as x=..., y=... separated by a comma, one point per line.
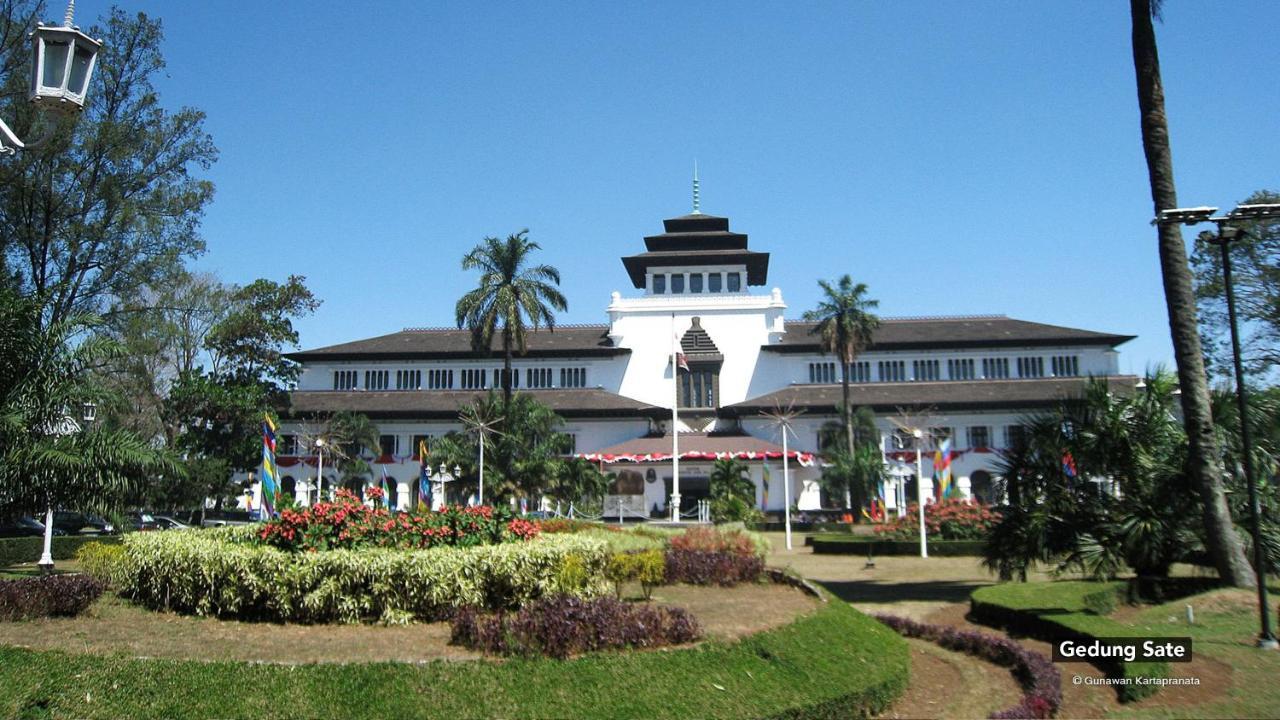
x=963, y=332
x=444, y=344
x=444, y=404
x=944, y=395
x=757, y=262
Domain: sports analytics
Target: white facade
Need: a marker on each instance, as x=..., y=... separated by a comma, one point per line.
x=975, y=372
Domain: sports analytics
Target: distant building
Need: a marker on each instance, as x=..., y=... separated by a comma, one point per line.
x=977, y=376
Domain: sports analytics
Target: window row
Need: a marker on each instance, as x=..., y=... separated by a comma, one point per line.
x=925, y=370
x=467, y=379
x=696, y=283
x=389, y=445
x=976, y=437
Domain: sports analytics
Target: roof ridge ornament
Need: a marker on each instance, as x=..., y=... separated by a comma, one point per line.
x=696, y=204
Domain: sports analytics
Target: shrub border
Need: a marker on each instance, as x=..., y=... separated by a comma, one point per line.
x=1055, y=624
x=808, y=653
x=15, y=551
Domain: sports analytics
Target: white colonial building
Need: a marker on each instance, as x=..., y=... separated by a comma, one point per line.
x=972, y=379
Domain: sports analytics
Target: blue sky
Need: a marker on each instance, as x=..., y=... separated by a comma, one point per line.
x=977, y=157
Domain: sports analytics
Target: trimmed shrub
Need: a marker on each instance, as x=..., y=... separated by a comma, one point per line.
x=706, y=568
x=1040, y=679
x=563, y=625
x=209, y=572
x=52, y=595
x=27, y=549
x=1057, y=611
x=733, y=541
x=100, y=561
x=573, y=525
x=647, y=567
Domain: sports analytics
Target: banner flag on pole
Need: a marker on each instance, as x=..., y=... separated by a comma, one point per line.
x=269, y=484
x=386, y=494
x=942, y=469
x=424, y=475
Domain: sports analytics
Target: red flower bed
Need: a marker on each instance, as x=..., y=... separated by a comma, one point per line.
x=348, y=523
x=946, y=520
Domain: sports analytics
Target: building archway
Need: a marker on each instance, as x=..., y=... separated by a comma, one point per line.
x=393, y=493
x=982, y=487
x=289, y=487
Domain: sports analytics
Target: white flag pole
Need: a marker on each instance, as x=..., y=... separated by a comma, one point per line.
x=675, y=432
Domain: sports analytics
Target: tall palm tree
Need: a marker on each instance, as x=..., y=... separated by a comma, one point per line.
x=511, y=295
x=845, y=323
x=1204, y=463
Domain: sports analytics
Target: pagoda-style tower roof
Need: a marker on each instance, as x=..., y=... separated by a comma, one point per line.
x=697, y=240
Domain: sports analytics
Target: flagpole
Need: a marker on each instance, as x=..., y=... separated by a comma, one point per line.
x=919, y=436
x=786, y=486
x=675, y=431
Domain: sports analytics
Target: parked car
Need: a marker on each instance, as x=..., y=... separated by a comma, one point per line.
x=141, y=522
x=24, y=527
x=222, y=518
x=164, y=522
x=74, y=523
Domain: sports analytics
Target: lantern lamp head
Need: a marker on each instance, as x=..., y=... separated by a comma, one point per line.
x=63, y=63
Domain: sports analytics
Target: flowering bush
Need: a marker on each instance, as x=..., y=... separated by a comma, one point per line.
x=1040, y=680
x=945, y=520
x=562, y=625
x=348, y=523
x=66, y=595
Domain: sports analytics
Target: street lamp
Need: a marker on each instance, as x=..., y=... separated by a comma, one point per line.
x=1227, y=234
x=62, y=64
x=918, y=434
x=320, y=465
x=88, y=412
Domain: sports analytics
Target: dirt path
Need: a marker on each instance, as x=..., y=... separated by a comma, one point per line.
x=946, y=684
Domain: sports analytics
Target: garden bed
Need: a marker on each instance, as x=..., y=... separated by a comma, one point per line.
x=115, y=626
x=805, y=669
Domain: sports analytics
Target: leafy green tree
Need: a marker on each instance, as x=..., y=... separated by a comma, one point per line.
x=1203, y=458
x=114, y=202
x=47, y=458
x=1133, y=443
x=512, y=296
x=524, y=448
x=845, y=322
x=733, y=494
x=857, y=474
x=1255, y=268
x=574, y=480
x=348, y=438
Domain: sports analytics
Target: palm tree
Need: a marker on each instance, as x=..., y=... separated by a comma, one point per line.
x=347, y=435
x=511, y=295
x=1203, y=463
x=845, y=323
x=47, y=459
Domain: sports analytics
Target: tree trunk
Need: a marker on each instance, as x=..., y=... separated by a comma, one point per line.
x=1204, y=464
x=506, y=369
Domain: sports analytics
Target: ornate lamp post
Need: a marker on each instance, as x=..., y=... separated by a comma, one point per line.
x=89, y=413
x=1227, y=234
x=62, y=65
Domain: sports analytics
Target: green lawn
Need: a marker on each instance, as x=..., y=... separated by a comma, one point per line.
x=1225, y=628
x=834, y=662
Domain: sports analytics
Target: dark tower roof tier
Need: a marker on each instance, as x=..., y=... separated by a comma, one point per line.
x=693, y=240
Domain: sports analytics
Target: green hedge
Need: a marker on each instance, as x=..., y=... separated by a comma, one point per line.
x=1068, y=610
x=216, y=572
x=862, y=544
x=28, y=549
x=832, y=663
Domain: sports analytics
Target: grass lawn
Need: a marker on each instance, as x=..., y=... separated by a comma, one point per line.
x=833, y=662
x=1225, y=629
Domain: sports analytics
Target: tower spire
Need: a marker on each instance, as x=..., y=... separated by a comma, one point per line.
x=696, y=208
